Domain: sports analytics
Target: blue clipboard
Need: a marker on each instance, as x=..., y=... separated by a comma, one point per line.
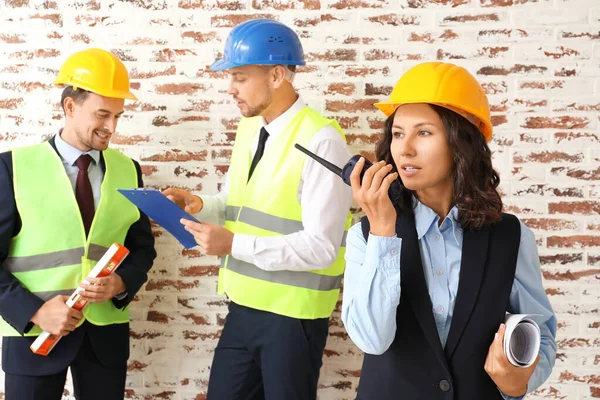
x=162, y=210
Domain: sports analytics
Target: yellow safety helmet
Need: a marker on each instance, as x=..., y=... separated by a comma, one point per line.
x=97, y=71
x=446, y=85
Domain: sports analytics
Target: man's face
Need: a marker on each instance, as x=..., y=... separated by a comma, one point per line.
x=94, y=121
x=251, y=88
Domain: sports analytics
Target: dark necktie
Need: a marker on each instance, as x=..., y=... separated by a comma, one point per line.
x=264, y=135
x=83, y=191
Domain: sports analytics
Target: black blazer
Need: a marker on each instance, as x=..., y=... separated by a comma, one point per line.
x=18, y=305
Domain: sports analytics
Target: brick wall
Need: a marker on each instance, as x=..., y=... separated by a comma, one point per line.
x=539, y=61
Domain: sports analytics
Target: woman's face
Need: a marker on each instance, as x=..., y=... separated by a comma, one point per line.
x=420, y=150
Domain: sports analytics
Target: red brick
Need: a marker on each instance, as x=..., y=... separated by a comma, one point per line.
x=347, y=123
x=180, y=88
x=360, y=71
x=566, y=72
x=53, y=18
x=548, y=191
x=315, y=21
x=362, y=139
x=461, y=53
x=396, y=19
x=491, y=88
x=164, y=121
x=282, y=5
x=166, y=71
x=229, y=5
x=547, y=157
x=561, y=259
x=17, y=3
x=232, y=20
x=32, y=54
x=577, y=173
x=176, y=155
x=201, y=37
x=575, y=208
x=436, y=3
x=332, y=55
x=129, y=140
x=562, y=105
x=198, y=105
x=352, y=4
x=430, y=37
x=350, y=106
x=11, y=104
x=593, y=35
x=171, y=55
x=12, y=39
x=465, y=19
x=562, y=122
x=379, y=54
x=372, y=90
x=507, y=3
x=345, y=89
x=550, y=224
x=518, y=69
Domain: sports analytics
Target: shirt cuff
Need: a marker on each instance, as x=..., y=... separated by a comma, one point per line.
x=384, y=249
x=242, y=247
x=121, y=296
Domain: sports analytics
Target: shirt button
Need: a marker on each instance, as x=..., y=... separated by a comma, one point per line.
x=439, y=271
x=394, y=252
x=437, y=237
x=440, y=309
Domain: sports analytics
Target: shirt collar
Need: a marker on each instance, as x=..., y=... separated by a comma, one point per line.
x=70, y=154
x=278, y=124
x=425, y=217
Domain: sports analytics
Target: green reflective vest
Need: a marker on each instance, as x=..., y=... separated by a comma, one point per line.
x=267, y=205
x=51, y=254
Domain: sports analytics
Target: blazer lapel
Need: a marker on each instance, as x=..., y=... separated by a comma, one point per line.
x=472, y=269
x=413, y=283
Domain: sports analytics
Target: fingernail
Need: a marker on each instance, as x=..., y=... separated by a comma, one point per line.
x=496, y=336
x=361, y=159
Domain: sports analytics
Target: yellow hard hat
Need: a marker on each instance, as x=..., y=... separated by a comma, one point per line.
x=97, y=71
x=446, y=85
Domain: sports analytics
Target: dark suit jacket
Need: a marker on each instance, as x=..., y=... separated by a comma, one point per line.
x=18, y=305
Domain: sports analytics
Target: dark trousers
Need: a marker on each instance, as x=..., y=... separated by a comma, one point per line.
x=265, y=356
x=92, y=380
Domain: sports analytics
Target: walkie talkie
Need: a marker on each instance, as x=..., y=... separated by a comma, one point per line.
x=395, y=190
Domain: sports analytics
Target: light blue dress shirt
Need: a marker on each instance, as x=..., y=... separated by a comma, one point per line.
x=372, y=285
x=69, y=155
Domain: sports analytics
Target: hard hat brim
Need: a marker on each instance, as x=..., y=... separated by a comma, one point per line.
x=112, y=93
x=388, y=109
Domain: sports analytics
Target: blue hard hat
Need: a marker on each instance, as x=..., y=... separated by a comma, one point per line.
x=260, y=41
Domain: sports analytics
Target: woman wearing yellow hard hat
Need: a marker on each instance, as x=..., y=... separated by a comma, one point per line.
x=429, y=280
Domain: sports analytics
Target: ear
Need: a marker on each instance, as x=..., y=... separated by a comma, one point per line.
x=278, y=76
x=69, y=105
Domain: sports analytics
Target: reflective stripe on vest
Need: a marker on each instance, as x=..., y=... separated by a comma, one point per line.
x=52, y=260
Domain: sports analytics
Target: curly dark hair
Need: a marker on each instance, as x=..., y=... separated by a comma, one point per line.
x=475, y=180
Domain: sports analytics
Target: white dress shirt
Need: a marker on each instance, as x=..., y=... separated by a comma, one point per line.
x=325, y=201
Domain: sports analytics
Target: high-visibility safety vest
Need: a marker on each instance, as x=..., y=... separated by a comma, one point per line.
x=267, y=205
x=51, y=253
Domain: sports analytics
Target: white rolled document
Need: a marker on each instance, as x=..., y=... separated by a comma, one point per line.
x=521, y=339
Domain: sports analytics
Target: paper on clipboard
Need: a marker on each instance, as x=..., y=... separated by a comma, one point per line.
x=163, y=211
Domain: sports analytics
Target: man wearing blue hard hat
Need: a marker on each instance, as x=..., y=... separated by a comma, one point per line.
x=283, y=242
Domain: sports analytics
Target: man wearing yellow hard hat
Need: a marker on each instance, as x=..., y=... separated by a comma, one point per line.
x=430, y=278
x=59, y=212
